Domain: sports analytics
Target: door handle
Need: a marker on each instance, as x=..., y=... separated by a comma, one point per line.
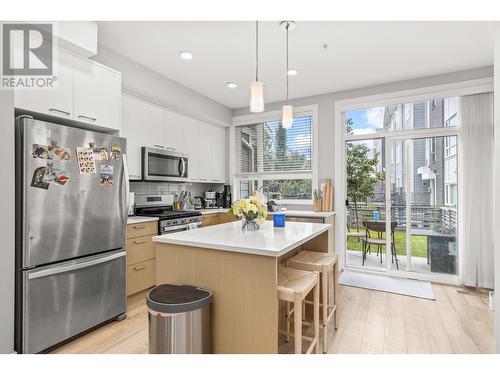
x=179, y=167
x=59, y=111
x=183, y=167
x=87, y=118
x=71, y=267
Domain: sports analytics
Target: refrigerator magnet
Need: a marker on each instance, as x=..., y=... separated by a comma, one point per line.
x=106, y=175
x=115, y=153
x=51, y=152
x=86, y=161
x=100, y=153
x=54, y=175
x=37, y=180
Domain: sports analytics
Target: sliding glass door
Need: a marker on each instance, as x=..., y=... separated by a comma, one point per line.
x=401, y=186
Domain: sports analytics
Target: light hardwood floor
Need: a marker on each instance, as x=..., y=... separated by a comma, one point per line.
x=369, y=322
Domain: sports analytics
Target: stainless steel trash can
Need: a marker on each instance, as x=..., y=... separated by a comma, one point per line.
x=179, y=319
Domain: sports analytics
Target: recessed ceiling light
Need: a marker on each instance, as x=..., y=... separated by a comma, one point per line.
x=186, y=55
x=232, y=85
x=292, y=72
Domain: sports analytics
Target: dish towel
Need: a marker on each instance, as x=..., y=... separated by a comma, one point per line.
x=192, y=226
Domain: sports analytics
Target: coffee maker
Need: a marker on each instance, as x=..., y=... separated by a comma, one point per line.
x=210, y=199
x=226, y=196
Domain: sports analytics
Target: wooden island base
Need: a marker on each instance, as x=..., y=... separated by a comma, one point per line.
x=245, y=308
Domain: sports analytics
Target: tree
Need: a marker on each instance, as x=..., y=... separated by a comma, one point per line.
x=362, y=175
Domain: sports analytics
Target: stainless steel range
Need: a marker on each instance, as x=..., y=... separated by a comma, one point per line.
x=170, y=221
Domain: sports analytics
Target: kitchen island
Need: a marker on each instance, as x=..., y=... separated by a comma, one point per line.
x=241, y=269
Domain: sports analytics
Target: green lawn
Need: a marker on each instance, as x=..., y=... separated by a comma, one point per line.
x=418, y=243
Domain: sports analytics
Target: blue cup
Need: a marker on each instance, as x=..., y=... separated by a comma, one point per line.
x=279, y=220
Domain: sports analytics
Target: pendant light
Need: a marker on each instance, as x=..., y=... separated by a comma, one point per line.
x=287, y=119
x=256, y=88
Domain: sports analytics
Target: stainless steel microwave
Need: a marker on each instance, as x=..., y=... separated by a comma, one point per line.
x=160, y=164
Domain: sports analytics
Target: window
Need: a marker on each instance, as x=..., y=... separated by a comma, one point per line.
x=275, y=160
x=407, y=111
x=450, y=146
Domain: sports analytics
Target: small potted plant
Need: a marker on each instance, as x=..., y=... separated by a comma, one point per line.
x=252, y=212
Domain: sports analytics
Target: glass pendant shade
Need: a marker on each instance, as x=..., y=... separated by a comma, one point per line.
x=287, y=120
x=256, y=97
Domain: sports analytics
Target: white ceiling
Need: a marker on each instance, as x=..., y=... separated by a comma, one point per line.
x=359, y=54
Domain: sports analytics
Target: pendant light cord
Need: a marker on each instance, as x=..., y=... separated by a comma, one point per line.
x=256, y=50
x=287, y=26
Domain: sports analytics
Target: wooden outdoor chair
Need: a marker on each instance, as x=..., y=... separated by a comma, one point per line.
x=379, y=228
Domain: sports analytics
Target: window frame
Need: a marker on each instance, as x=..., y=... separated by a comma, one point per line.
x=268, y=116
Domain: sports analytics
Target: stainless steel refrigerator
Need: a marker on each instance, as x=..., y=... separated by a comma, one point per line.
x=71, y=214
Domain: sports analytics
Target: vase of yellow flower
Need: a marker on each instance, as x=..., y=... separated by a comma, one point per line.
x=252, y=213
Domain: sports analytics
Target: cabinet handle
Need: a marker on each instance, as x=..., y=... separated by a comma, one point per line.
x=59, y=111
x=139, y=242
x=138, y=268
x=139, y=226
x=170, y=148
x=87, y=117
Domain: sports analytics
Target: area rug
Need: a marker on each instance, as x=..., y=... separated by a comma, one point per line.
x=397, y=285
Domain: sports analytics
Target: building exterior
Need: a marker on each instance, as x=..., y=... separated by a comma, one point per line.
x=434, y=169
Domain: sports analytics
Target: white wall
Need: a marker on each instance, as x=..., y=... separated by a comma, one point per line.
x=496, y=192
x=326, y=113
x=7, y=226
x=153, y=86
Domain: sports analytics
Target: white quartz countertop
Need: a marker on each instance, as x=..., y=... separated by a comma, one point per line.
x=140, y=219
x=296, y=213
x=267, y=241
x=208, y=211
x=306, y=213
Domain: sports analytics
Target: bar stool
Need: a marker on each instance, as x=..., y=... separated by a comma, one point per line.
x=293, y=286
x=326, y=265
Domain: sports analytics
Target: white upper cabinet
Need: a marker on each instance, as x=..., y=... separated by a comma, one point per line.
x=191, y=142
x=205, y=159
x=57, y=101
x=85, y=91
x=142, y=125
x=174, y=124
x=218, y=154
x=148, y=124
x=96, y=94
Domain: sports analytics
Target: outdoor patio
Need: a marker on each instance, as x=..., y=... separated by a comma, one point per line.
x=355, y=259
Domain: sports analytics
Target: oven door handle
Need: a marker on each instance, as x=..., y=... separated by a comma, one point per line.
x=175, y=227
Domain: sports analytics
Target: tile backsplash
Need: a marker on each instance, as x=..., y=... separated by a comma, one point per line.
x=196, y=189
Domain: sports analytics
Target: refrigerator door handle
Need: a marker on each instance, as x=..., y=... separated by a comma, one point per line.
x=127, y=186
x=71, y=267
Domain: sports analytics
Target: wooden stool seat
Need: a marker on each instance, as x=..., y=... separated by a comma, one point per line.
x=292, y=282
x=294, y=286
x=313, y=261
x=327, y=265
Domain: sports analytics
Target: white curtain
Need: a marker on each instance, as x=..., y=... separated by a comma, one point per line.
x=477, y=220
